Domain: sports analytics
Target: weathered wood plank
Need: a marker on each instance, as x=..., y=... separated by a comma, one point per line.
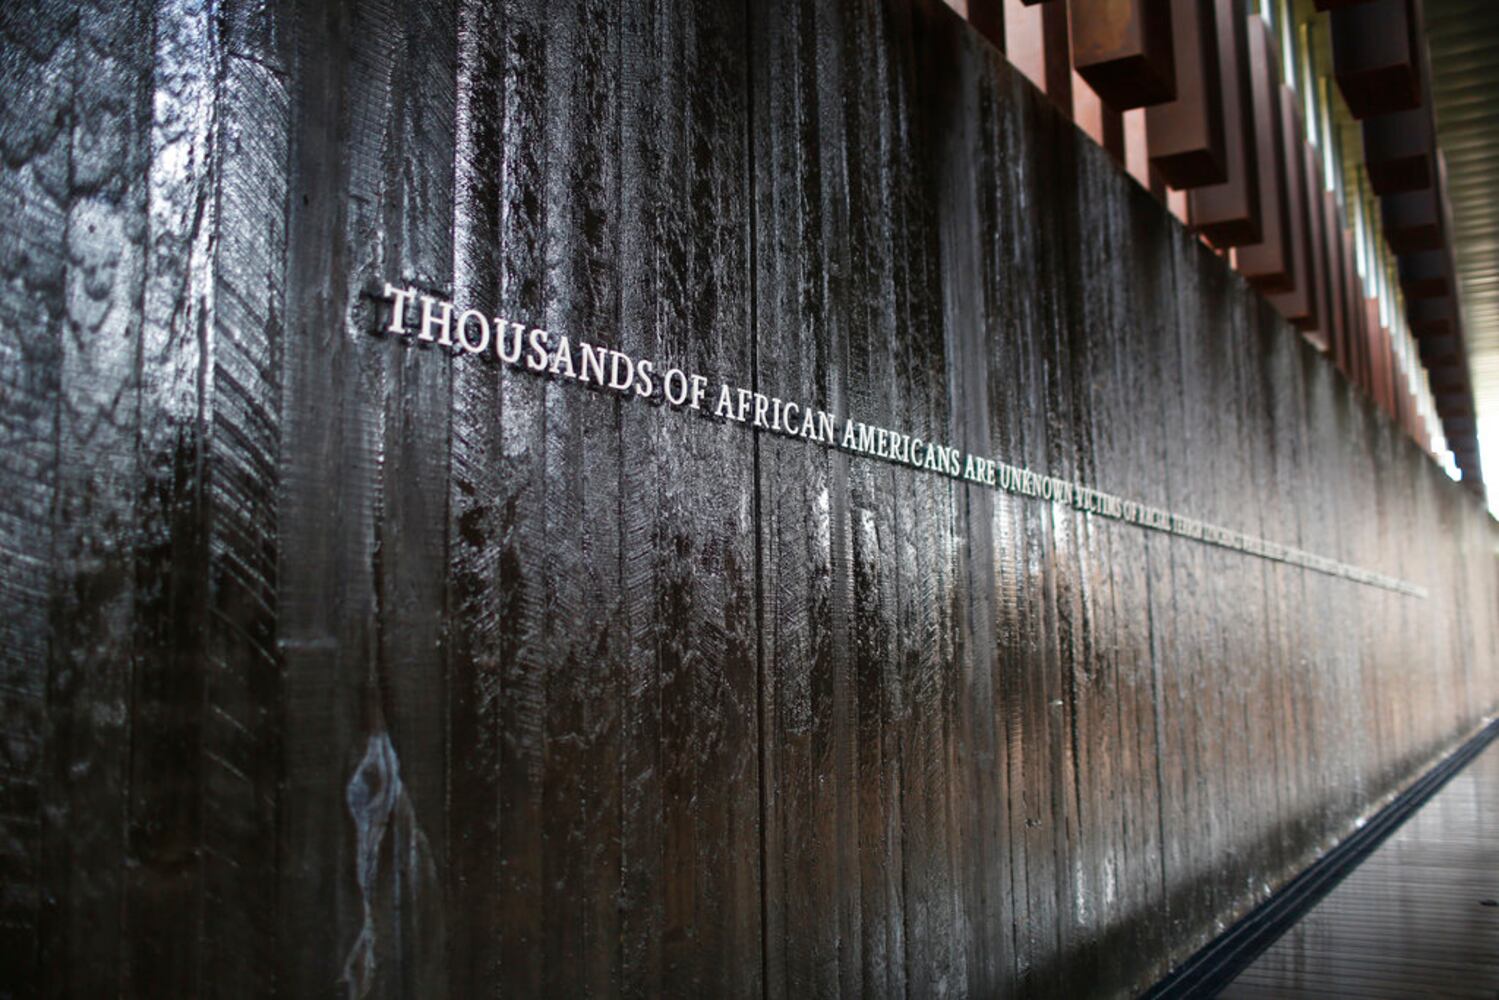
x=479, y=614
x=37, y=49
x=690, y=566
x=1019, y=420
x=960, y=83
x=242, y=735
x=340, y=787
x=85, y=800
x=404, y=932
x=930, y=610
x=821, y=518
x=165, y=821
x=578, y=475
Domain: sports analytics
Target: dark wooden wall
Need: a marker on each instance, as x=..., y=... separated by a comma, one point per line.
x=330, y=664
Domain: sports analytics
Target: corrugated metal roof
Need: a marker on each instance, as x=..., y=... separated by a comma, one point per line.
x=1463, y=40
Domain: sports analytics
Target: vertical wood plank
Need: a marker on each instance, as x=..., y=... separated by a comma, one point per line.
x=242, y=737
x=690, y=567
x=403, y=749
x=36, y=56
x=929, y=610
x=807, y=60
x=339, y=771
x=960, y=85
x=1268, y=264
x=85, y=799
x=480, y=599
x=164, y=883
x=1229, y=213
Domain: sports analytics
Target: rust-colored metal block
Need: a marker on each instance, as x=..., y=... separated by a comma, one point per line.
x=1351, y=296
x=1397, y=151
x=1461, y=426
x=1425, y=274
x=1376, y=57
x=1123, y=48
x=1318, y=256
x=1315, y=326
x=1267, y=264
x=1342, y=324
x=1450, y=405
x=1376, y=344
x=988, y=18
x=1450, y=377
x=1431, y=317
x=1299, y=304
x=1228, y=214
x=1186, y=135
x=1333, y=282
x=1440, y=350
x=1137, y=156
x=1412, y=221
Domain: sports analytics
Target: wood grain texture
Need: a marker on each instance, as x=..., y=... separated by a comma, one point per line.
x=37, y=53
x=337, y=662
x=85, y=800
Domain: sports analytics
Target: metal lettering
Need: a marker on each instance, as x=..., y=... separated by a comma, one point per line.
x=801, y=419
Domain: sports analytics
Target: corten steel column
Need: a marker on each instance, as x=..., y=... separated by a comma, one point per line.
x=1268, y=264
x=1298, y=304
x=1123, y=48
x=1228, y=214
x=1425, y=273
x=988, y=18
x=1186, y=135
x=1137, y=155
x=1412, y=220
x=1376, y=56
x=1398, y=151
x=1337, y=280
x=1319, y=331
x=1365, y=328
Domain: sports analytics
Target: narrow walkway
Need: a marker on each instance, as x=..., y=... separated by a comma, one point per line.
x=1419, y=918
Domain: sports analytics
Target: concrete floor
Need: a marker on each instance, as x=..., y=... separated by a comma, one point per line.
x=1419, y=918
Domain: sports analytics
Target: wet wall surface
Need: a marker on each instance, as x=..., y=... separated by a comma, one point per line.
x=331, y=664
